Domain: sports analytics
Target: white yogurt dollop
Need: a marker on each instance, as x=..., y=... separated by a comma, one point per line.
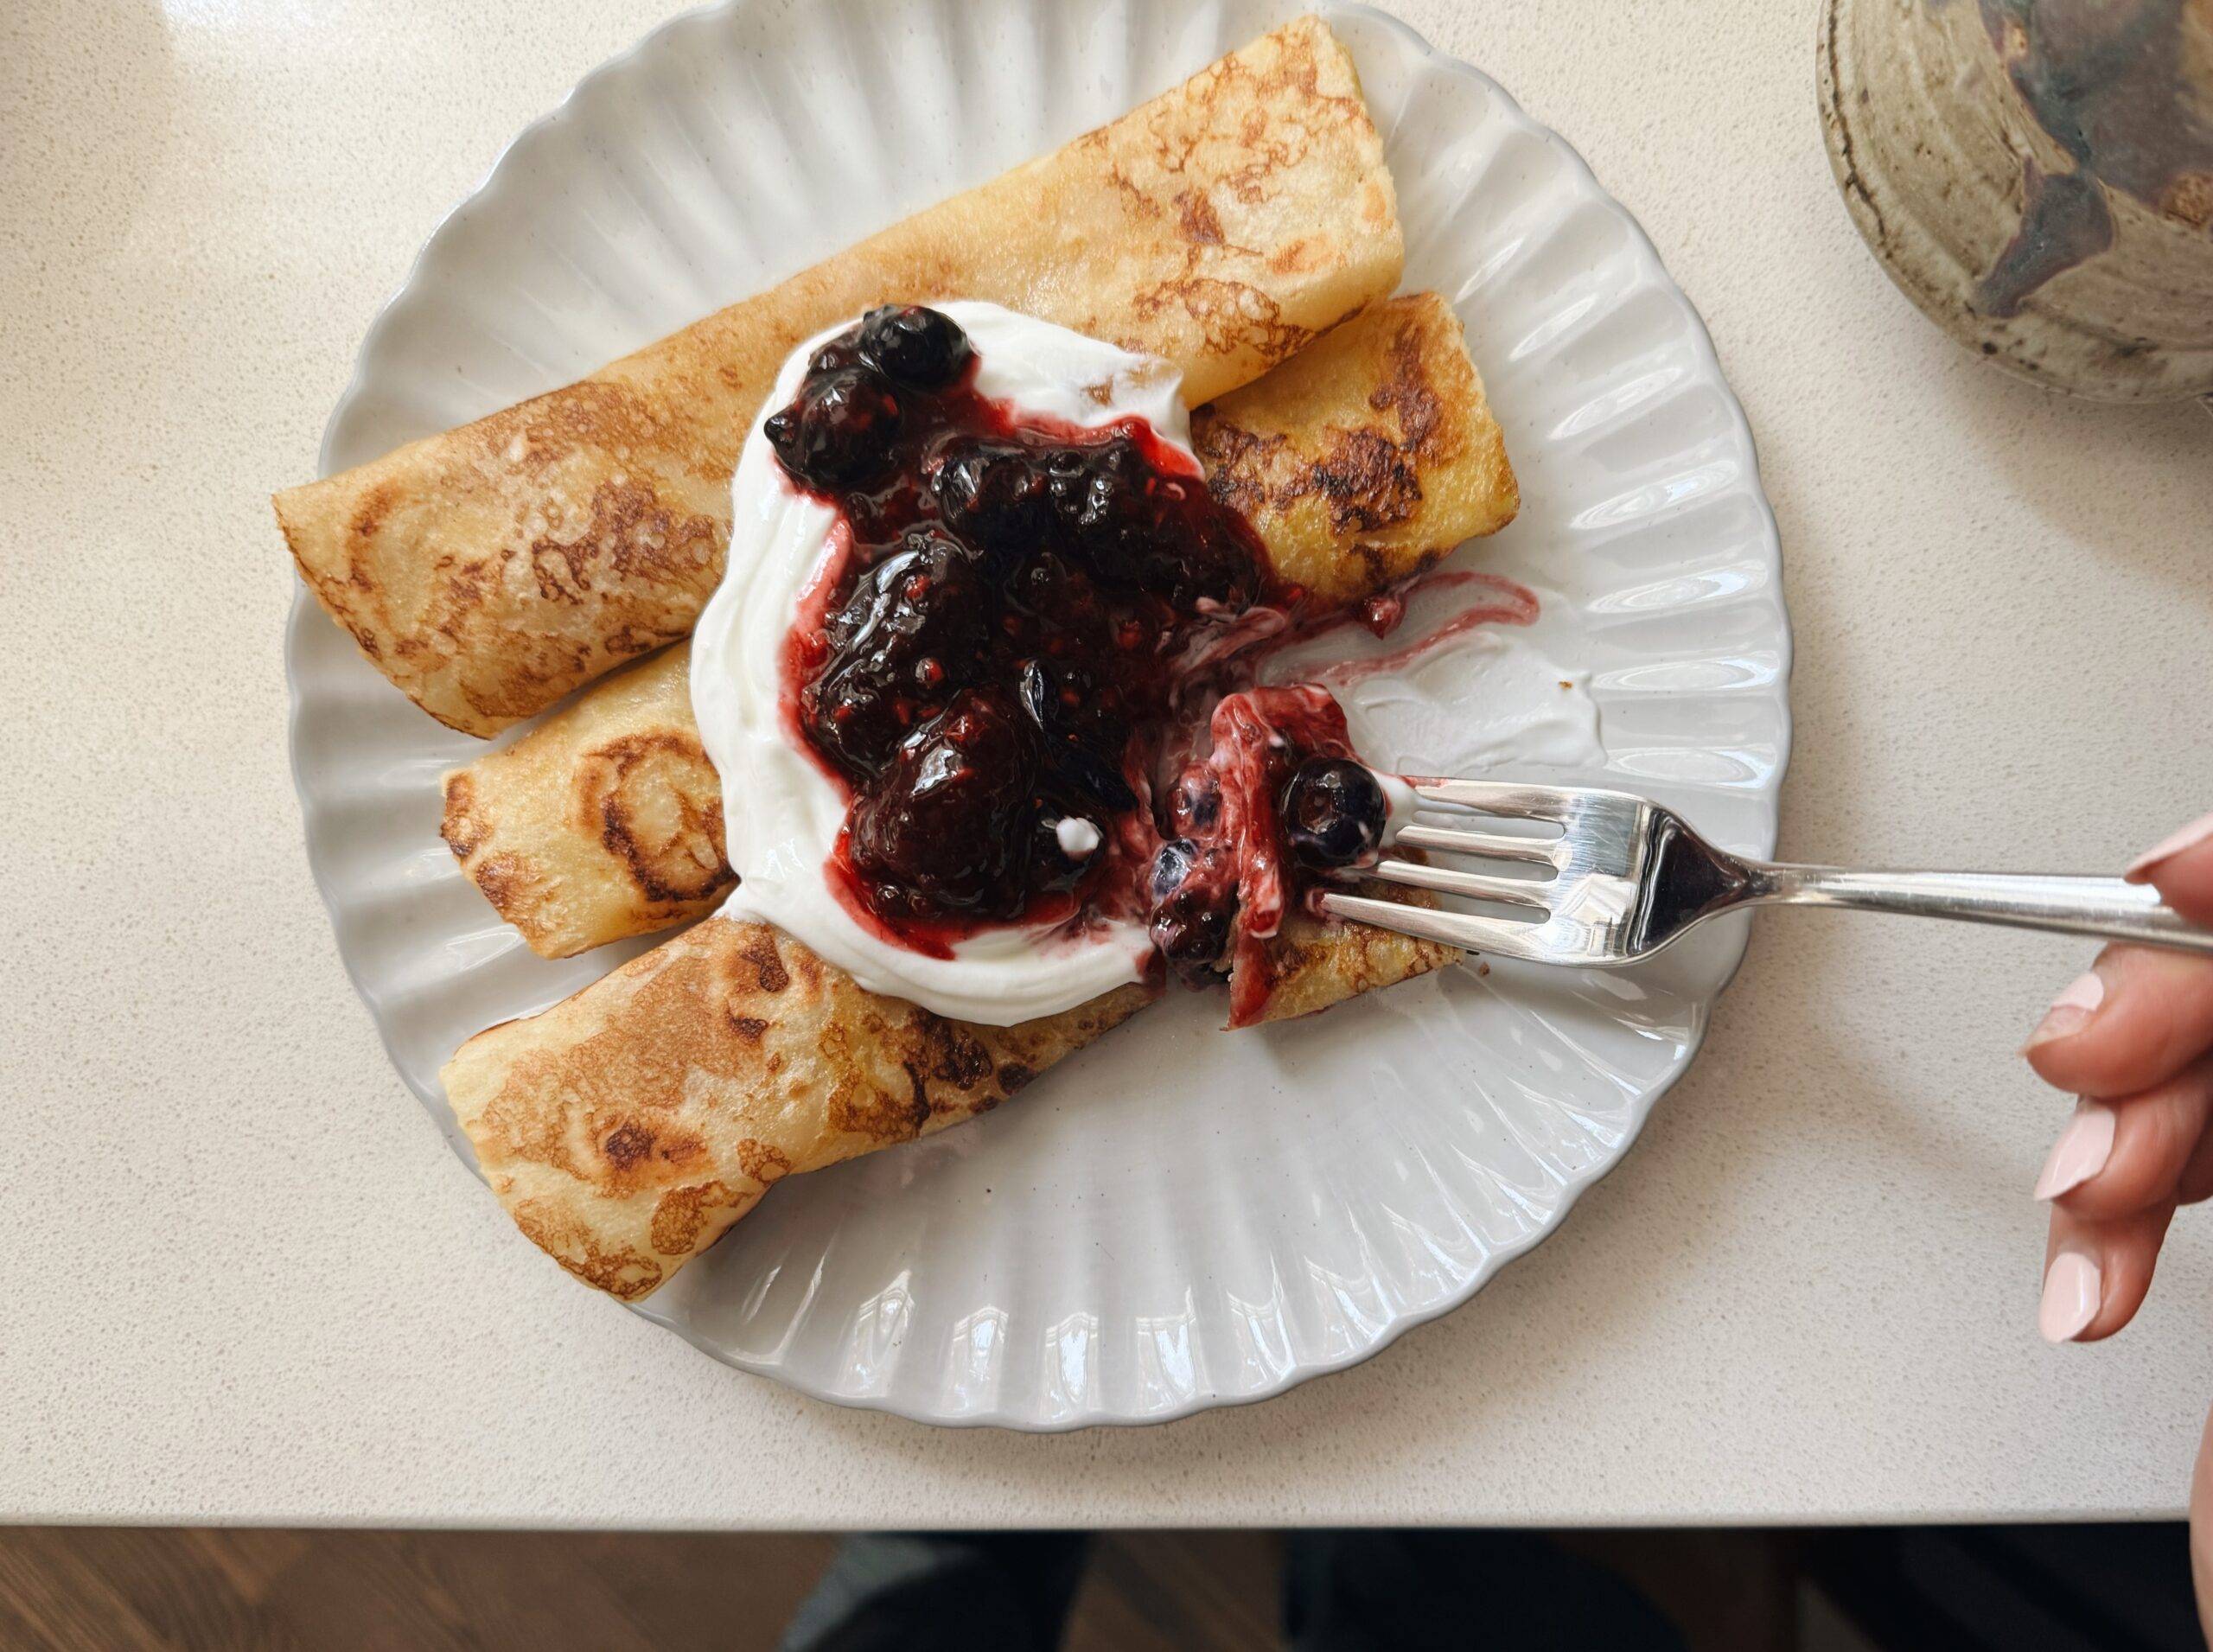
x=781, y=813
x=1079, y=839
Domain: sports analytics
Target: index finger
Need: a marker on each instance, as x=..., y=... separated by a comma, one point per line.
x=2181, y=868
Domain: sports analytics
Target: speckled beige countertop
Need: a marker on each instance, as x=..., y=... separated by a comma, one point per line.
x=241, y=1278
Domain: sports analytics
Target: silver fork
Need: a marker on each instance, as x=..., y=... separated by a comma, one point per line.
x=1626, y=877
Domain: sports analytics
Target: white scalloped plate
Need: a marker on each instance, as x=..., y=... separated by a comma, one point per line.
x=1176, y=1218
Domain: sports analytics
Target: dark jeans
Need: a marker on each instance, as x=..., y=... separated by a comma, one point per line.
x=1342, y=1591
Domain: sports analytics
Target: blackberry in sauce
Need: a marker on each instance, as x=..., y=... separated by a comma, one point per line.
x=1224, y=883
x=842, y=429
x=914, y=344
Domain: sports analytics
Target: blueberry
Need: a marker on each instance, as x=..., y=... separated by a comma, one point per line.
x=1171, y=865
x=1068, y=481
x=837, y=354
x=1101, y=491
x=911, y=633
x=856, y=723
x=1194, y=906
x=1090, y=776
x=926, y=596
x=838, y=431
x=991, y=494
x=1195, y=801
x=1062, y=600
x=1333, y=813
x=915, y=345
x=1125, y=519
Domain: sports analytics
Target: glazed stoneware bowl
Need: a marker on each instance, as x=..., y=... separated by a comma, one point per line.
x=2037, y=176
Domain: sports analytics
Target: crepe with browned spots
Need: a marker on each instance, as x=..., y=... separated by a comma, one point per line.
x=627, y=1127
x=490, y=569
x=1360, y=462
x=605, y=822
x=1352, y=502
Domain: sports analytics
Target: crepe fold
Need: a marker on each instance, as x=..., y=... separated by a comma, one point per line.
x=1360, y=462
x=490, y=569
x=605, y=822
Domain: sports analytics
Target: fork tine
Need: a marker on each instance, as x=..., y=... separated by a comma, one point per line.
x=1492, y=846
x=1451, y=880
x=1497, y=935
x=1497, y=797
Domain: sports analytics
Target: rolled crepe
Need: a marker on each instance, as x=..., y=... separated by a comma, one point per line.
x=1367, y=456
x=606, y=821
x=1360, y=462
x=489, y=570
x=628, y=1126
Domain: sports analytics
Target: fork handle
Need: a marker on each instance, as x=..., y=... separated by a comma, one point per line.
x=2075, y=906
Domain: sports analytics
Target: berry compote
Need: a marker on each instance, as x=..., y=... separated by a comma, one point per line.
x=1276, y=800
x=987, y=658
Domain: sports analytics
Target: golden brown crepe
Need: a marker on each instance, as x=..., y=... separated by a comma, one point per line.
x=1312, y=964
x=1359, y=461
x=627, y=1128
x=1351, y=502
x=490, y=569
x=605, y=822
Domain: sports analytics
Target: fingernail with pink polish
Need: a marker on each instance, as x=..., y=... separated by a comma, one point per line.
x=2081, y=1151
x=2071, y=1290
x=2189, y=837
x=2071, y=1011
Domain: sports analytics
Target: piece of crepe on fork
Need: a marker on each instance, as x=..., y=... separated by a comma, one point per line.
x=627, y=1127
x=489, y=570
x=1360, y=462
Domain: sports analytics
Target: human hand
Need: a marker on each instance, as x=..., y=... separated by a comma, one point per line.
x=2133, y=1038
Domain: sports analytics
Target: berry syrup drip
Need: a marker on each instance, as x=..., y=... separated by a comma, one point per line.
x=1502, y=601
x=1010, y=604
x=1277, y=801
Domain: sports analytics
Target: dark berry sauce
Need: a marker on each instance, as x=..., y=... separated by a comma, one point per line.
x=1005, y=623
x=1276, y=800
